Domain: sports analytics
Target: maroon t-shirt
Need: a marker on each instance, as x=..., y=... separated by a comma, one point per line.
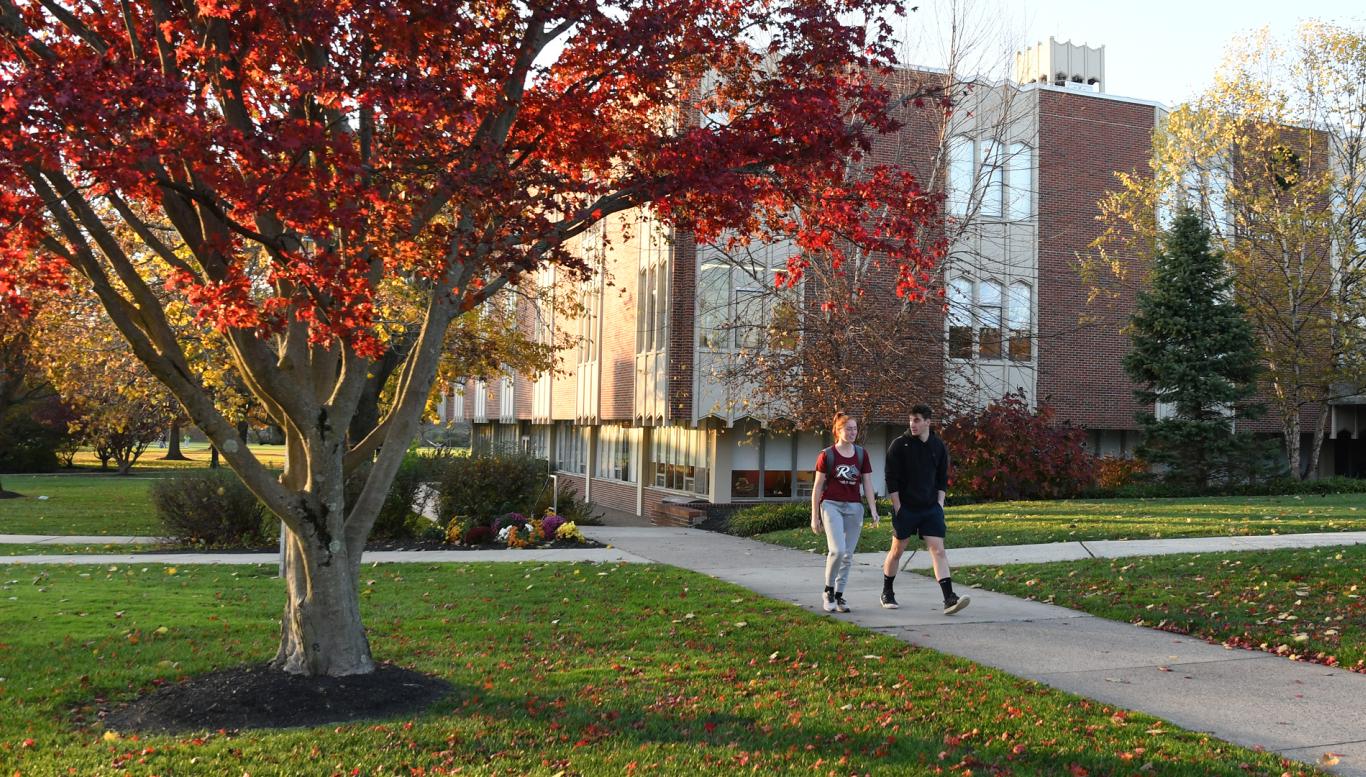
x=846, y=484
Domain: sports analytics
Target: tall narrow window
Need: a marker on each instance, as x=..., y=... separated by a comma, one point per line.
x=960, y=183
x=1018, y=322
x=960, y=318
x=991, y=179
x=1020, y=180
x=750, y=319
x=645, y=303
x=989, y=320
x=713, y=301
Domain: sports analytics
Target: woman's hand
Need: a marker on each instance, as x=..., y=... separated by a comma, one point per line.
x=815, y=524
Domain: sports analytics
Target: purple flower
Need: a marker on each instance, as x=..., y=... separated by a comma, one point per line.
x=550, y=524
x=509, y=519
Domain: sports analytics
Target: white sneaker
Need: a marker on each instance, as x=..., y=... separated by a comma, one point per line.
x=828, y=601
x=955, y=604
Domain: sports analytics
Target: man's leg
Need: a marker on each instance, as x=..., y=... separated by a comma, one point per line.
x=940, y=557
x=889, y=567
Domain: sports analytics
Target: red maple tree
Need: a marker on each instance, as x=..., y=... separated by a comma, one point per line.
x=275, y=164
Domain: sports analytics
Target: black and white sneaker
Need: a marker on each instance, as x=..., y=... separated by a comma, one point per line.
x=840, y=604
x=954, y=603
x=889, y=601
x=827, y=602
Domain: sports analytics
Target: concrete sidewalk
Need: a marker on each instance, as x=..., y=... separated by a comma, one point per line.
x=1072, y=551
x=1251, y=698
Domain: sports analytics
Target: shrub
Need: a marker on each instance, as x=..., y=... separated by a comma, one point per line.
x=395, y=519
x=1282, y=486
x=570, y=507
x=27, y=444
x=210, y=507
x=759, y=519
x=1007, y=451
x=1115, y=472
x=486, y=486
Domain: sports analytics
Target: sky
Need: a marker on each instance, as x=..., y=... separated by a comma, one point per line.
x=1162, y=50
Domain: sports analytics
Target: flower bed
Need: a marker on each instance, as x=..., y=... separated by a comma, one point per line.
x=514, y=530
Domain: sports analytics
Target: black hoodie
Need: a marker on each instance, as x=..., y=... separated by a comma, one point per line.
x=917, y=470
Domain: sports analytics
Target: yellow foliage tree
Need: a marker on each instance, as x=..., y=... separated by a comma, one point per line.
x=1273, y=157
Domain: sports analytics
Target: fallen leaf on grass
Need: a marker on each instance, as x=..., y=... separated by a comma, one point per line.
x=1329, y=759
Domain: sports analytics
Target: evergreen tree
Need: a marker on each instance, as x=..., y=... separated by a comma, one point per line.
x=1193, y=350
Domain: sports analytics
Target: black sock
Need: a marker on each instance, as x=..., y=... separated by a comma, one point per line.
x=887, y=582
x=829, y=589
x=946, y=585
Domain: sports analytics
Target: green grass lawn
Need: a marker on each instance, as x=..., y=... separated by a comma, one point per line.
x=79, y=503
x=559, y=669
x=53, y=549
x=1306, y=603
x=87, y=501
x=1023, y=523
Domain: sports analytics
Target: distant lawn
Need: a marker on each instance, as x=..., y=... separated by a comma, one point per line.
x=87, y=500
x=198, y=455
x=1025, y=523
x=559, y=669
x=1309, y=603
x=52, y=549
x=79, y=503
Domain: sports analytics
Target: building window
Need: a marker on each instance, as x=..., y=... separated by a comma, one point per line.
x=618, y=447
x=1020, y=181
x=680, y=459
x=763, y=466
x=590, y=293
x=990, y=179
x=961, y=175
x=652, y=286
x=989, y=320
x=571, y=447
x=713, y=301
x=540, y=441
x=1018, y=316
x=960, y=318
x=737, y=304
x=778, y=465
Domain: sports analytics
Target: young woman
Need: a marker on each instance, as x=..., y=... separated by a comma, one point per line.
x=843, y=473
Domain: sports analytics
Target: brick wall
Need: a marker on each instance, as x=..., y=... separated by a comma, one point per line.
x=618, y=496
x=1083, y=141
x=682, y=307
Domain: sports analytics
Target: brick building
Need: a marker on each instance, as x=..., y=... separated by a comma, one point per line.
x=637, y=419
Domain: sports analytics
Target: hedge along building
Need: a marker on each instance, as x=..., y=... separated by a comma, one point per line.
x=646, y=409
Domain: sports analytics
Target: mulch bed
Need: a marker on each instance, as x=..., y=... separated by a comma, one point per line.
x=258, y=696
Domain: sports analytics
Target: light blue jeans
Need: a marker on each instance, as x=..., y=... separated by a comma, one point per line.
x=843, y=523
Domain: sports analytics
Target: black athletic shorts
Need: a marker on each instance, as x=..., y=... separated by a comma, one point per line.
x=922, y=521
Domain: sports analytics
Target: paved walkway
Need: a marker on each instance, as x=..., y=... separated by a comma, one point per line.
x=1301, y=710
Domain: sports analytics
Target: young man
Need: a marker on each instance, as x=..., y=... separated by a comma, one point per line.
x=917, y=479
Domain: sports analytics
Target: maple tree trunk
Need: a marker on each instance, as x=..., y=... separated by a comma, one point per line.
x=321, y=631
x=173, y=444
